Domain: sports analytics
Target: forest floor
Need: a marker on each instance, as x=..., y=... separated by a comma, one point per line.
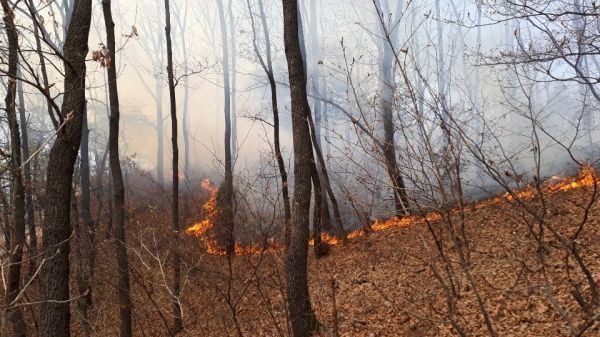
x=385, y=284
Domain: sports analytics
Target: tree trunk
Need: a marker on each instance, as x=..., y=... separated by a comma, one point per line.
x=29, y=210
x=302, y=317
x=160, y=171
x=318, y=107
x=324, y=177
x=17, y=230
x=85, y=240
x=178, y=321
x=267, y=66
x=42, y=59
x=55, y=314
x=386, y=92
x=117, y=179
x=225, y=197
x=233, y=110
x=320, y=247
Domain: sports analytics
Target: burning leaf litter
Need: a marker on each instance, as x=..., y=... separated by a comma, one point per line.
x=586, y=177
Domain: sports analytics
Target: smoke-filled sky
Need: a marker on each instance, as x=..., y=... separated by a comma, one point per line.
x=344, y=43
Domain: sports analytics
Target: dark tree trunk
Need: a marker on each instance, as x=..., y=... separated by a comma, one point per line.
x=324, y=177
x=117, y=179
x=319, y=245
x=302, y=317
x=55, y=314
x=17, y=230
x=85, y=238
x=160, y=171
x=318, y=112
x=29, y=210
x=389, y=154
x=267, y=66
x=225, y=197
x=99, y=193
x=178, y=322
x=389, y=145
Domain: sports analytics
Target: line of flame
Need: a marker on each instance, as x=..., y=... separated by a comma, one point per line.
x=587, y=176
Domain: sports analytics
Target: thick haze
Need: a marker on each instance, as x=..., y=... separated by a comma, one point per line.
x=348, y=72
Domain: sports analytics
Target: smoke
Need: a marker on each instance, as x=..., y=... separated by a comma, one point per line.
x=514, y=111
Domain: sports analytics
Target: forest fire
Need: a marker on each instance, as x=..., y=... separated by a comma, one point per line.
x=202, y=229
x=586, y=177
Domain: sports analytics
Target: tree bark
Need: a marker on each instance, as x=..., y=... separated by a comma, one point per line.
x=225, y=197
x=302, y=317
x=27, y=181
x=123, y=286
x=85, y=239
x=176, y=261
x=55, y=314
x=324, y=178
x=17, y=230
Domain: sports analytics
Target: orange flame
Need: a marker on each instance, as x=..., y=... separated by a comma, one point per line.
x=587, y=177
x=202, y=229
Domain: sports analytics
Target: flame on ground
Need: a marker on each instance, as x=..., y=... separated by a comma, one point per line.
x=202, y=229
x=587, y=177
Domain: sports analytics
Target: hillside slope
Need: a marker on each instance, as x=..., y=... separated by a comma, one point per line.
x=392, y=282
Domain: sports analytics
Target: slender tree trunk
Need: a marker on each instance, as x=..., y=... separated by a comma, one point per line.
x=232, y=42
x=160, y=171
x=178, y=320
x=42, y=59
x=318, y=107
x=386, y=91
x=86, y=235
x=100, y=165
x=17, y=230
x=267, y=66
x=324, y=177
x=319, y=247
x=117, y=179
x=302, y=317
x=55, y=314
x=29, y=209
x=225, y=197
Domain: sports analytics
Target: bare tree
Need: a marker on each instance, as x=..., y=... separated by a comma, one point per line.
x=302, y=317
x=17, y=229
x=85, y=236
x=27, y=179
x=386, y=88
x=55, y=312
x=176, y=259
x=225, y=196
x=267, y=65
x=232, y=41
x=117, y=177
